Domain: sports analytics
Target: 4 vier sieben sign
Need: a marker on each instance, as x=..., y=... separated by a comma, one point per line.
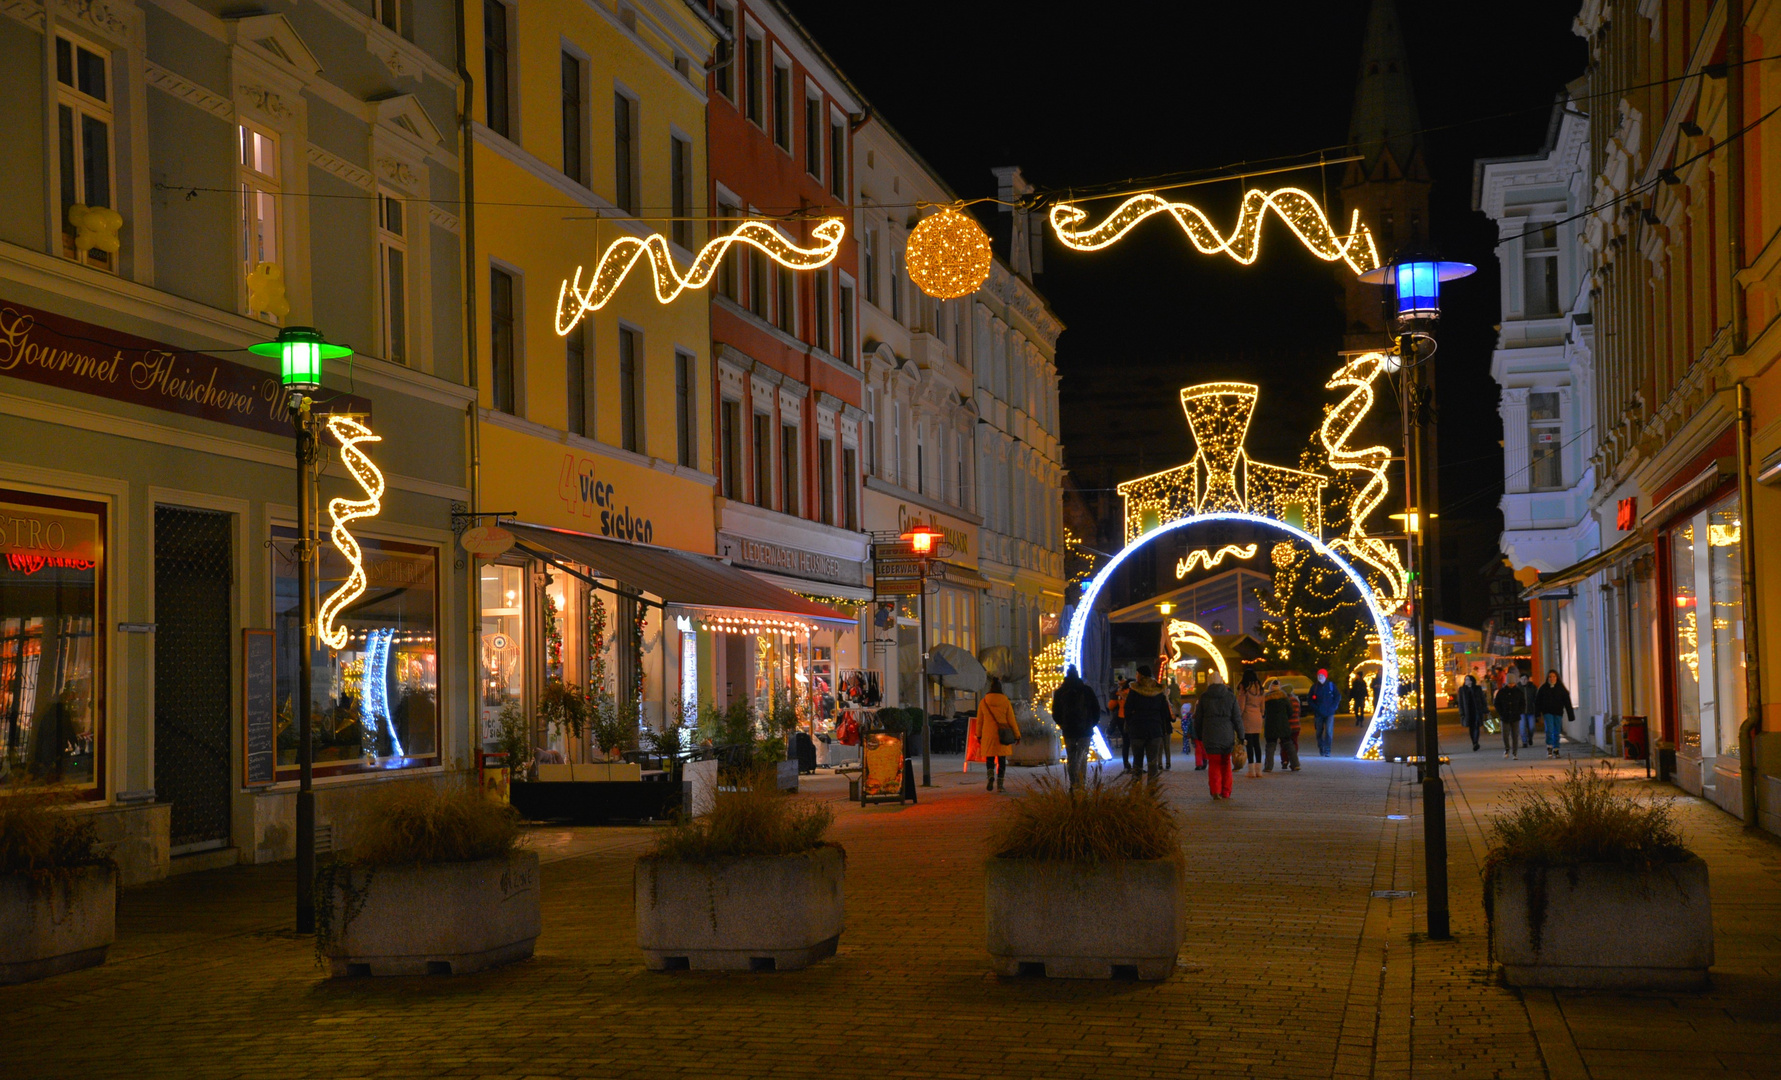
x=46, y=348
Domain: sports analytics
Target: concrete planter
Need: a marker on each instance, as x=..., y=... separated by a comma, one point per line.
x=430, y=919
x=56, y=925
x=1083, y=921
x=777, y=913
x=1603, y=926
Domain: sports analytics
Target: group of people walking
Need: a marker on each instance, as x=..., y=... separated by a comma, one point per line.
x=1516, y=704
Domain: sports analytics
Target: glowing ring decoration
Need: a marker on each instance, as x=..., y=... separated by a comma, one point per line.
x=1385, y=709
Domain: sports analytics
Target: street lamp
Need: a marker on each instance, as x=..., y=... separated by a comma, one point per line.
x=927, y=543
x=1416, y=280
x=300, y=351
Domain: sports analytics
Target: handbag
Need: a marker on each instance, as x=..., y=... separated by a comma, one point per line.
x=1007, y=736
x=1239, y=758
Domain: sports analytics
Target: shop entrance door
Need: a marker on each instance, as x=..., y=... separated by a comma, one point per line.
x=194, y=576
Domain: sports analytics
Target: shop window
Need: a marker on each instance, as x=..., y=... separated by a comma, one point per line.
x=1544, y=437
x=1725, y=573
x=375, y=702
x=52, y=661
x=503, y=667
x=84, y=129
x=392, y=257
x=258, y=179
x=1684, y=620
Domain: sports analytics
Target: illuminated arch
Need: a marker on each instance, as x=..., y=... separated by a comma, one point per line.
x=1385, y=709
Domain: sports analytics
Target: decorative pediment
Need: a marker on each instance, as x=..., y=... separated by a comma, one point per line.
x=406, y=115
x=273, y=38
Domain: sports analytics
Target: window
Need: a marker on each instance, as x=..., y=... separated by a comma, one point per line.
x=382, y=708
x=392, y=259
x=580, y=383
x=259, y=181
x=753, y=92
x=850, y=496
x=960, y=493
x=1687, y=631
x=630, y=391
x=1725, y=577
x=845, y=329
x=1540, y=271
x=757, y=282
x=83, y=117
x=896, y=462
x=396, y=17
x=871, y=431
x=494, y=68
x=686, y=409
x=723, y=72
x=869, y=264
x=503, y=642
x=52, y=641
x=788, y=469
x=1544, y=428
x=921, y=453
x=731, y=433
x=729, y=273
x=787, y=300
x=813, y=133
x=680, y=181
x=837, y=159
x=782, y=106
x=896, y=291
x=763, y=460
x=825, y=478
x=572, y=109
x=505, y=385
x=819, y=281
x=624, y=152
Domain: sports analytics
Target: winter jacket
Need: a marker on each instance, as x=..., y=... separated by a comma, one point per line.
x=1325, y=699
x=1276, y=716
x=1508, y=702
x=1250, y=701
x=1552, y=700
x=1147, y=713
x=995, y=712
x=1188, y=730
x=1293, y=700
x=1473, y=705
x=1075, y=707
x=1218, y=721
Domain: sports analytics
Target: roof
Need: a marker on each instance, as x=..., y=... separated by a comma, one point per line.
x=1384, y=103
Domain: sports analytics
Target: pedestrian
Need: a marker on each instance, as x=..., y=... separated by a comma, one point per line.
x=1374, y=684
x=1289, y=747
x=1250, y=697
x=1552, y=701
x=1508, y=706
x=1529, y=705
x=1325, y=700
x=1147, y=723
x=1473, y=707
x=1190, y=734
x=1218, y=721
x=1357, y=696
x=1276, y=722
x=1116, y=715
x=997, y=732
x=1171, y=698
x=1075, y=707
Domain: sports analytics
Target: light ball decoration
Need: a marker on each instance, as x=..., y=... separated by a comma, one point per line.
x=948, y=255
x=1283, y=555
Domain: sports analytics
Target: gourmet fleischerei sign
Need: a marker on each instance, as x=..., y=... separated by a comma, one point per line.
x=42, y=347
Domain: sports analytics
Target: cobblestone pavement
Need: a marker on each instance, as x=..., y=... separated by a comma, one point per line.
x=1290, y=968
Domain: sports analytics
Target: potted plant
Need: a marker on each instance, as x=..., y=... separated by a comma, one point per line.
x=1085, y=884
x=750, y=886
x=1588, y=884
x=58, y=894
x=436, y=884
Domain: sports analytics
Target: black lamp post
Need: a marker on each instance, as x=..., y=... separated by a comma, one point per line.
x=1417, y=284
x=926, y=543
x=300, y=351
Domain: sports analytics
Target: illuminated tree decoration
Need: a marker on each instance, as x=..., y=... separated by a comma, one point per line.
x=342, y=510
x=574, y=300
x=948, y=255
x=1184, y=635
x=1297, y=209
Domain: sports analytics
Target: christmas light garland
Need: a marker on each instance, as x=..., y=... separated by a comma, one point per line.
x=1184, y=567
x=1339, y=425
x=350, y=433
x=1184, y=634
x=1295, y=207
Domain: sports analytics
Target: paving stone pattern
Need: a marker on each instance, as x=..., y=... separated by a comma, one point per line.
x=1290, y=968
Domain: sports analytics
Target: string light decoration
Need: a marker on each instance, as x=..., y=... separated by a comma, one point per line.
x=1048, y=672
x=1301, y=213
x=1184, y=567
x=575, y=301
x=1184, y=635
x=948, y=254
x=1339, y=425
x=350, y=434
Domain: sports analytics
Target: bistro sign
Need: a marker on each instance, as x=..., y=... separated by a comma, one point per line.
x=761, y=555
x=42, y=347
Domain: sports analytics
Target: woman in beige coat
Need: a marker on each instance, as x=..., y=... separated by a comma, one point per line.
x=1250, y=698
x=994, y=713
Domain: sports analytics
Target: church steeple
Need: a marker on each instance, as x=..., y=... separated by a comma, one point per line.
x=1384, y=119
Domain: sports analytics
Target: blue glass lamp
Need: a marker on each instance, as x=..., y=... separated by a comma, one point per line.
x=1418, y=282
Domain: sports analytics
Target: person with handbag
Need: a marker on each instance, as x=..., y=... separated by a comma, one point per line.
x=1147, y=717
x=997, y=732
x=1218, y=723
x=1250, y=699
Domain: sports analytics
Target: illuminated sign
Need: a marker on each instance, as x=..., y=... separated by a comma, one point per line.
x=33, y=538
x=584, y=492
x=764, y=555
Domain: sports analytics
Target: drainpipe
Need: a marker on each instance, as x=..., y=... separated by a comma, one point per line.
x=467, y=221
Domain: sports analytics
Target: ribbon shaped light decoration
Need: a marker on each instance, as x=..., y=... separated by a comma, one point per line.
x=575, y=301
x=1338, y=426
x=1295, y=207
x=350, y=433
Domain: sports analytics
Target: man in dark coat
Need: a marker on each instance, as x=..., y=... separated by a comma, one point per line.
x=1357, y=696
x=1147, y=722
x=1509, y=704
x=1075, y=706
x=1325, y=700
x=1473, y=707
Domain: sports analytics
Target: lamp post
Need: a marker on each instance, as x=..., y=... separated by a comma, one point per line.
x=1417, y=286
x=926, y=543
x=300, y=351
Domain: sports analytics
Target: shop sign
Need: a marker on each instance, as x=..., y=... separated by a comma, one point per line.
x=783, y=559
x=955, y=533
x=487, y=541
x=35, y=537
x=583, y=491
x=42, y=347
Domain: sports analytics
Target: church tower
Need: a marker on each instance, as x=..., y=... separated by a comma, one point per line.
x=1389, y=185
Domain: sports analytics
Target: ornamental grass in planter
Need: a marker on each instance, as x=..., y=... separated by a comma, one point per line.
x=1085, y=884
x=437, y=883
x=1588, y=884
x=58, y=893
x=750, y=886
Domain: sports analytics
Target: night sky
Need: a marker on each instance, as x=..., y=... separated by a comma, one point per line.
x=1078, y=98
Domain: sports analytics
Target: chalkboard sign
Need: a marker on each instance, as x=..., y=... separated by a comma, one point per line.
x=259, y=711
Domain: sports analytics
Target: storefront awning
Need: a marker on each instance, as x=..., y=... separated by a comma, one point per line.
x=1562, y=581
x=680, y=578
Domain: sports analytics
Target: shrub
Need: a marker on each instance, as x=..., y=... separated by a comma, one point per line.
x=513, y=737
x=420, y=823
x=754, y=820
x=39, y=840
x=1584, y=818
x=1107, y=821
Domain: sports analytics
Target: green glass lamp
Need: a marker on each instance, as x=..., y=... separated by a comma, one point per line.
x=300, y=351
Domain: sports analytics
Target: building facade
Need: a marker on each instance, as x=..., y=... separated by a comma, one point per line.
x=186, y=182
